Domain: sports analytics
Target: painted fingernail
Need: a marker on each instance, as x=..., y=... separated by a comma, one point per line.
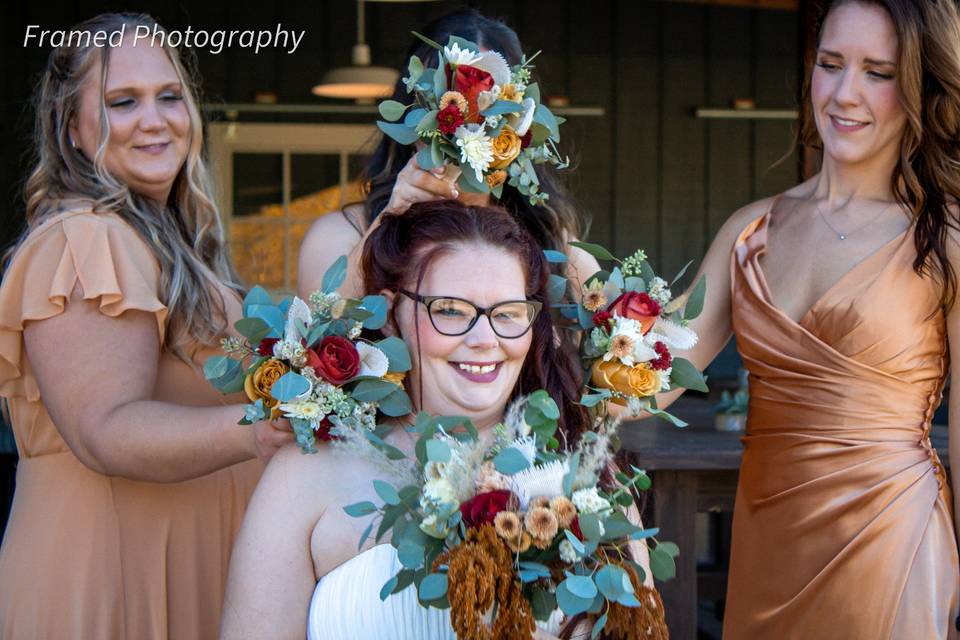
x=456, y=194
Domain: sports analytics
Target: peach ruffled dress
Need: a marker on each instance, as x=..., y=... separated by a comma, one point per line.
x=843, y=522
x=87, y=555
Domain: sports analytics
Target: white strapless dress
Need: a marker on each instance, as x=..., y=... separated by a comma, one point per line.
x=346, y=604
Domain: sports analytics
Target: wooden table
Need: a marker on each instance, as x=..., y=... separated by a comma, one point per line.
x=694, y=470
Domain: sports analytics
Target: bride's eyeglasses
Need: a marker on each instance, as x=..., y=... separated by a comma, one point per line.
x=456, y=316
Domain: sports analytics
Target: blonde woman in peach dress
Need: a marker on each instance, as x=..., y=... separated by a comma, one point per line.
x=842, y=295
x=134, y=475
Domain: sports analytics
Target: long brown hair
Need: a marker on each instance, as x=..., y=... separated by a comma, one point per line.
x=399, y=251
x=185, y=234
x=926, y=179
x=552, y=224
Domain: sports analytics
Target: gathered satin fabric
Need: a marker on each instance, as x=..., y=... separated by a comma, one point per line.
x=843, y=520
x=346, y=604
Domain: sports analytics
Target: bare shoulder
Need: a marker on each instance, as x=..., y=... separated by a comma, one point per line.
x=334, y=227
x=292, y=478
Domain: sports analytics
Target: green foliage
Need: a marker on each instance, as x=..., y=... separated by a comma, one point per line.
x=391, y=109
x=510, y=461
x=694, y=305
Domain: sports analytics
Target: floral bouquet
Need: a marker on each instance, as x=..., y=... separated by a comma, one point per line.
x=307, y=362
x=478, y=113
x=515, y=532
x=632, y=326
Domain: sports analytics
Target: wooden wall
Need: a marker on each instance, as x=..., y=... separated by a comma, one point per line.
x=648, y=173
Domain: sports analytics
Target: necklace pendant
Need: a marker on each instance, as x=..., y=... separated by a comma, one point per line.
x=843, y=237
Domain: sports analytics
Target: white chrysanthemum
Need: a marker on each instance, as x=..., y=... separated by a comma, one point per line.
x=567, y=553
x=544, y=480
x=298, y=311
x=302, y=410
x=589, y=501
x=373, y=361
x=494, y=64
x=521, y=121
x=673, y=335
x=485, y=99
x=455, y=55
x=476, y=148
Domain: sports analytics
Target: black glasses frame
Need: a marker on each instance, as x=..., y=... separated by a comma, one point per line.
x=427, y=301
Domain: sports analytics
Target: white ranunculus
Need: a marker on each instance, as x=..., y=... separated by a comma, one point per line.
x=521, y=121
x=476, y=148
x=455, y=55
x=373, y=361
x=589, y=501
x=567, y=553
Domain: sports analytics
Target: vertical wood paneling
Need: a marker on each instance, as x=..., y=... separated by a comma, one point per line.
x=682, y=88
x=728, y=149
x=636, y=114
x=590, y=80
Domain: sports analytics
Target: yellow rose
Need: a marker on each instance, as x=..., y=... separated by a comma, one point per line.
x=396, y=377
x=509, y=92
x=506, y=147
x=639, y=380
x=258, y=384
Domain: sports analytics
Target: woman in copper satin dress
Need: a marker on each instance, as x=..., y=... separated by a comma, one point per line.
x=840, y=293
x=133, y=475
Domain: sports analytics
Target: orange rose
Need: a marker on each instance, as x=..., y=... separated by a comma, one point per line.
x=637, y=306
x=258, y=384
x=496, y=178
x=639, y=381
x=506, y=148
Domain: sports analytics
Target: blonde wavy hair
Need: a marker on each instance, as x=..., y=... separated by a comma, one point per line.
x=186, y=235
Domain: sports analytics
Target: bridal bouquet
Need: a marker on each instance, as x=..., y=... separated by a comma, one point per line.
x=514, y=532
x=478, y=113
x=632, y=328
x=307, y=362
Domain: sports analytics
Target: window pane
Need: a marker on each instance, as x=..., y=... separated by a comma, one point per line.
x=257, y=183
x=256, y=246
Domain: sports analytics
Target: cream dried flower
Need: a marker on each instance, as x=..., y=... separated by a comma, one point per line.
x=542, y=525
x=507, y=524
x=456, y=98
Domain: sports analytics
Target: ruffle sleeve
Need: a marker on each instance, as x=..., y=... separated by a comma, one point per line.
x=101, y=253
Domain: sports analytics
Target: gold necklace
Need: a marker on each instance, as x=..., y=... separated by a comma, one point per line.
x=844, y=236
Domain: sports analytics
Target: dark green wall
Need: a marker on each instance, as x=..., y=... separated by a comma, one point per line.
x=648, y=173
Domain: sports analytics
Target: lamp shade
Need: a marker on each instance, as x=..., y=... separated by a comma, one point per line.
x=357, y=82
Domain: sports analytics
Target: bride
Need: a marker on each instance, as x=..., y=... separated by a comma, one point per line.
x=296, y=570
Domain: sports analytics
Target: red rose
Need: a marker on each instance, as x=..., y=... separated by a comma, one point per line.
x=637, y=306
x=265, y=348
x=525, y=139
x=322, y=432
x=449, y=119
x=470, y=81
x=575, y=528
x=663, y=362
x=602, y=319
x=484, y=507
x=337, y=360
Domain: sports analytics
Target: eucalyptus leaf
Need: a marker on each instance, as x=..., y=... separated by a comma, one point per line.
x=684, y=374
x=410, y=554
x=662, y=564
x=609, y=581
x=428, y=121
x=694, y=305
x=377, y=306
x=438, y=451
x=271, y=315
x=680, y=273
x=510, y=461
x=414, y=117
x=289, y=387
x=386, y=492
x=616, y=278
x=543, y=603
x=670, y=548
x=532, y=91
x=595, y=250
x=582, y=586
x=253, y=329
x=373, y=390
x=425, y=159
x=391, y=110
x=663, y=415
x=399, y=132
x=397, y=404
x=335, y=275
x=555, y=257
x=433, y=587
x=570, y=603
x=501, y=107
x=397, y=354
x=643, y=534
x=364, y=536
x=575, y=541
x=633, y=283
x=468, y=181
x=388, y=588
x=256, y=295
x=590, y=526
x=543, y=115
x=360, y=509
x=430, y=42
x=598, y=627
x=571, y=475
x=557, y=287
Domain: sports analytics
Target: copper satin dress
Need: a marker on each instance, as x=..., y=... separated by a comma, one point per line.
x=86, y=555
x=843, y=520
